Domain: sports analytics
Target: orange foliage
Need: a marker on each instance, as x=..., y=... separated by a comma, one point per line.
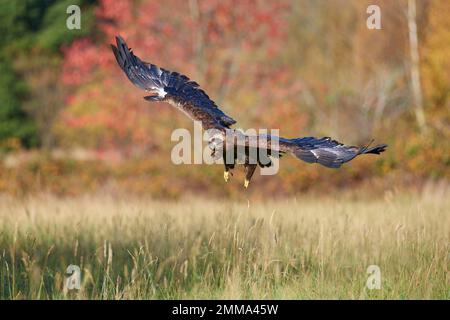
x=304, y=66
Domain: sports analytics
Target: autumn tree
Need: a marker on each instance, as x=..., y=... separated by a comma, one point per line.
x=226, y=46
x=436, y=66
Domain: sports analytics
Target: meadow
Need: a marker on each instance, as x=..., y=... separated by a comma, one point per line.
x=192, y=248
x=87, y=179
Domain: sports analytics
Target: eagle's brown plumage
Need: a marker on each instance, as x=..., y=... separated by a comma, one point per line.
x=171, y=87
x=186, y=95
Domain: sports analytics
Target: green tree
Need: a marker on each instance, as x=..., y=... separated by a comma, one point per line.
x=31, y=29
x=14, y=122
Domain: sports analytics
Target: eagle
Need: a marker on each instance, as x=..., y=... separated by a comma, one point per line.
x=232, y=144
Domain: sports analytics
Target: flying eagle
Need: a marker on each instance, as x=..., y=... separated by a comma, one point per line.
x=187, y=96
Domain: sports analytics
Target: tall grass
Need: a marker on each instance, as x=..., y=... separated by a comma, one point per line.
x=303, y=248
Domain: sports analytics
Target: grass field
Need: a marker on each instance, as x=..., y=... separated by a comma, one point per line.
x=302, y=248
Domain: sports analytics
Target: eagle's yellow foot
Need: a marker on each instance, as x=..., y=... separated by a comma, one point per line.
x=246, y=183
x=226, y=176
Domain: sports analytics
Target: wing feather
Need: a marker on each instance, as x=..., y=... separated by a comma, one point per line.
x=172, y=87
x=326, y=151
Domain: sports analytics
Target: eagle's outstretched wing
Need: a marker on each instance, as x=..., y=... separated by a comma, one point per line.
x=325, y=151
x=171, y=87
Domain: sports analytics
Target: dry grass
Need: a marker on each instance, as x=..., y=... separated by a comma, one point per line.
x=299, y=248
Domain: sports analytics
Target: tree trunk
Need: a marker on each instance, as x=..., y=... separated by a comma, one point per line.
x=414, y=66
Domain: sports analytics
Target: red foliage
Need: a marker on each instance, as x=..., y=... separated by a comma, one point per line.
x=222, y=44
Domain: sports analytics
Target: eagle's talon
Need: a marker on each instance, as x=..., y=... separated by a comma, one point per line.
x=246, y=183
x=226, y=176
